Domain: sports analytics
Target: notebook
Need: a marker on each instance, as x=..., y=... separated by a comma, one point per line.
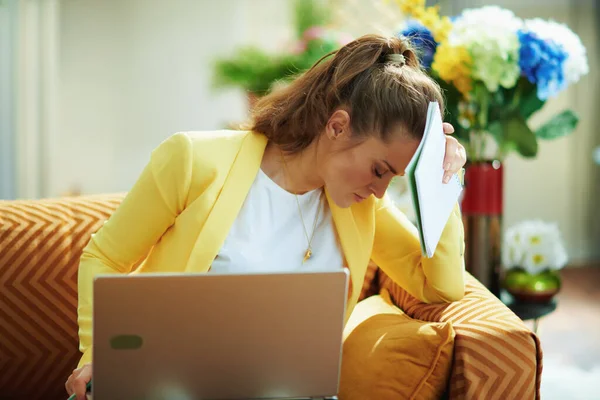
x=432, y=199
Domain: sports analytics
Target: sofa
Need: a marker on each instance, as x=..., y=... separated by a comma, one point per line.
x=495, y=355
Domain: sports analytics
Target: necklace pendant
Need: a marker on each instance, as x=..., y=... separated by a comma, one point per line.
x=307, y=255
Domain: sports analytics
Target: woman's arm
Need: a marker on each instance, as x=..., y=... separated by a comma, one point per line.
x=397, y=251
x=147, y=211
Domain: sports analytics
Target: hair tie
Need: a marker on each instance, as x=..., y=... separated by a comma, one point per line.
x=396, y=59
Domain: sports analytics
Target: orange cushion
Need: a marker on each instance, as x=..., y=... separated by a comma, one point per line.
x=388, y=355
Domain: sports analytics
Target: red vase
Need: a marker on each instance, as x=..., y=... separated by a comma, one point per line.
x=482, y=209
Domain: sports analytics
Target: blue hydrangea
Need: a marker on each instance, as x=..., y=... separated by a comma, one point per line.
x=542, y=62
x=421, y=37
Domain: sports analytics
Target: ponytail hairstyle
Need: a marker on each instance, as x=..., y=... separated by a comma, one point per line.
x=379, y=81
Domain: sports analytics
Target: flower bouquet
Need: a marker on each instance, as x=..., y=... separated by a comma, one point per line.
x=532, y=254
x=497, y=70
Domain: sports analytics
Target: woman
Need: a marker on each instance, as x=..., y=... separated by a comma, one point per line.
x=302, y=189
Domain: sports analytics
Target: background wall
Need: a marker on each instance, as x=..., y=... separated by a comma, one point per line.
x=132, y=72
x=125, y=74
x=8, y=10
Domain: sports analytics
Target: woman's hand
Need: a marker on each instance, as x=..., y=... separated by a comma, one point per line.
x=456, y=156
x=78, y=380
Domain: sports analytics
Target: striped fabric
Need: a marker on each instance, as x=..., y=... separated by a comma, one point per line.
x=496, y=356
x=40, y=245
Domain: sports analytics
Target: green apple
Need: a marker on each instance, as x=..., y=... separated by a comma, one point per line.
x=520, y=280
x=546, y=281
x=516, y=279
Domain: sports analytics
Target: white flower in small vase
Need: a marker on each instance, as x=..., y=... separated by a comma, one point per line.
x=537, y=259
x=543, y=242
x=532, y=253
x=513, y=249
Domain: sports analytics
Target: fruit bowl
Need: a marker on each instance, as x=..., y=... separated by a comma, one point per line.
x=532, y=288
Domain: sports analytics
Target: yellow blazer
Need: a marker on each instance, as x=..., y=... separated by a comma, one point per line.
x=177, y=215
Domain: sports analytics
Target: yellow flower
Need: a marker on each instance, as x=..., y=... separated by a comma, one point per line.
x=442, y=29
x=410, y=6
x=439, y=26
x=538, y=259
x=429, y=16
x=453, y=64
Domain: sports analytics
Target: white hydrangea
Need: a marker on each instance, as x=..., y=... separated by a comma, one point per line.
x=535, y=246
x=576, y=65
x=489, y=21
x=490, y=35
x=536, y=259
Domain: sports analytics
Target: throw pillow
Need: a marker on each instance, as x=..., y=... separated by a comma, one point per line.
x=388, y=355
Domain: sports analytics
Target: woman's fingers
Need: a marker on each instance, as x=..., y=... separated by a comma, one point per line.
x=78, y=380
x=454, y=159
x=448, y=128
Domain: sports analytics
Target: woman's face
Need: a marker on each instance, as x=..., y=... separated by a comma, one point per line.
x=353, y=171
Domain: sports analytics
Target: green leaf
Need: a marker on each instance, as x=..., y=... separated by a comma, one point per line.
x=528, y=101
x=517, y=133
x=310, y=13
x=560, y=125
x=253, y=69
x=452, y=98
x=497, y=131
x=256, y=70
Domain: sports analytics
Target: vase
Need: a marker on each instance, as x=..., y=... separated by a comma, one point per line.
x=482, y=209
x=532, y=288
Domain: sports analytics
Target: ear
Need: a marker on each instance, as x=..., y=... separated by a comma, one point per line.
x=338, y=126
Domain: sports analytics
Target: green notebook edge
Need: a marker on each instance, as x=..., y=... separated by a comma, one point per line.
x=412, y=181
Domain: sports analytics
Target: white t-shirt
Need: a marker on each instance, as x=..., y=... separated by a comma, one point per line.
x=267, y=235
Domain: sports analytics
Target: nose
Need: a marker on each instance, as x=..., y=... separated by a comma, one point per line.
x=378, y=188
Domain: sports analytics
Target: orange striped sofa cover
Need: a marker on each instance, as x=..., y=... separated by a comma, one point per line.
x=496, y=356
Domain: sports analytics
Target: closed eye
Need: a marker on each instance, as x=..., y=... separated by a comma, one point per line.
x=377, y=173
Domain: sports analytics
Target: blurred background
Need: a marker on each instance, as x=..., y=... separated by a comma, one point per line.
x=89, y=87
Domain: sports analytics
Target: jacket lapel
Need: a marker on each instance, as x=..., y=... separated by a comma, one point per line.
x=352, y=245
x=228, y=204
x=230, y=200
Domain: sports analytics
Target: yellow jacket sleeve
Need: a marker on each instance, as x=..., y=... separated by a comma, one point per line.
x=147, y=211
x=397, y=251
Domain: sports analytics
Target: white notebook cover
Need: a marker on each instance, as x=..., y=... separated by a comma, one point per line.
x=433, y=200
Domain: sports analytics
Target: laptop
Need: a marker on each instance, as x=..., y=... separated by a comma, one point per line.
x=218, y=336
